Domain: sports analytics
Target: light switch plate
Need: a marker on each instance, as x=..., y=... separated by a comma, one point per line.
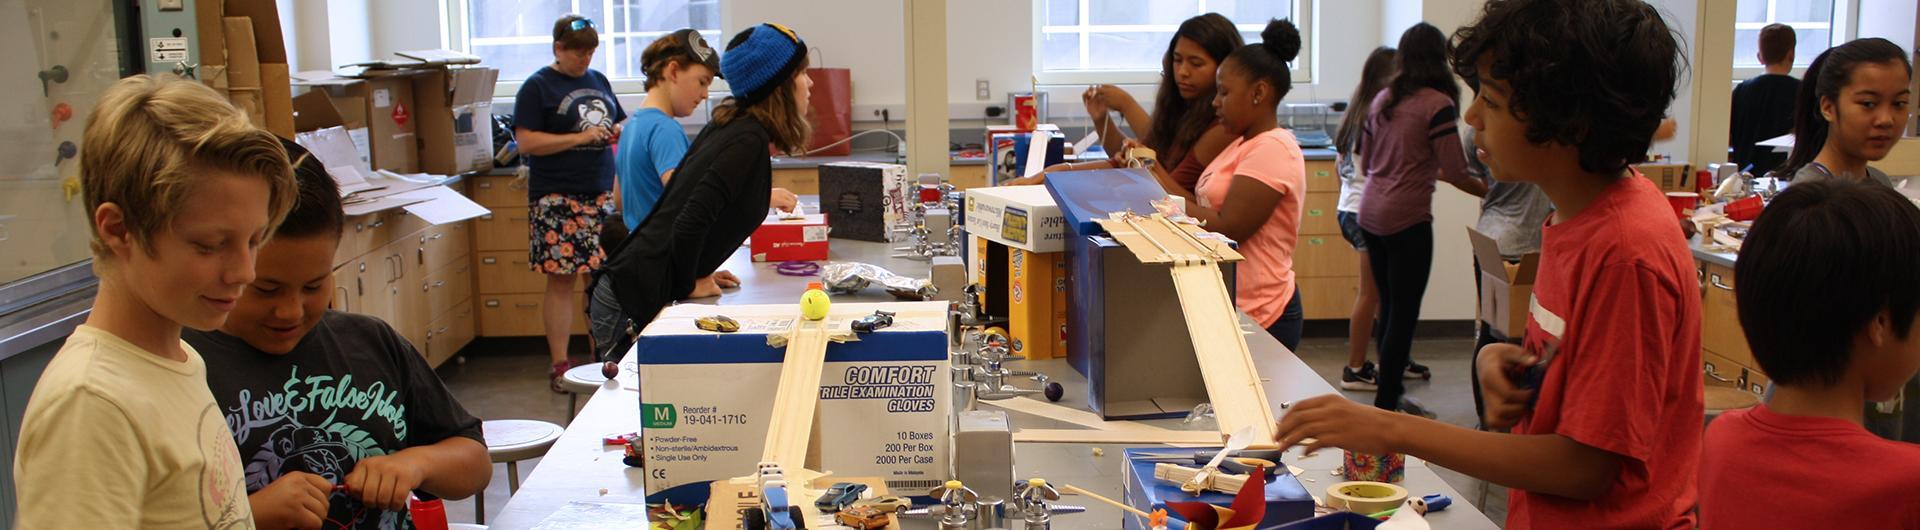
x=172, y=5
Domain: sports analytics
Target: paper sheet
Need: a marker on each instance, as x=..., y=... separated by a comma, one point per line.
x=1037, y=153
x=1085, y=144
x=579, y=515
x=441, y=205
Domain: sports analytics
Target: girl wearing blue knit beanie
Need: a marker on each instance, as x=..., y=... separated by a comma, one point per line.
x=720, y=192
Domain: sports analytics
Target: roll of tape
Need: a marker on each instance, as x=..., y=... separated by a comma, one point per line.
x=1365, y=497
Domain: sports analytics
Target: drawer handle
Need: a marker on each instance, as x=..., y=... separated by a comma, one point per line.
x=377, y=223
x=489, y=261
x=1715, y=374
x=1316, y=241
x=486, y=217
x=437, y=236
x=1717, y=283
x=526, y=305
x=443, y=330
x=1316, y=212
x=493, y=303
x=1320, y=173
x=486, y=184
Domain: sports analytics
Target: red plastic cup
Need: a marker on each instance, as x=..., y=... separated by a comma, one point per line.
x=1746, y=209
x=427, y=515
x=1682, y=201
x=1026, y=112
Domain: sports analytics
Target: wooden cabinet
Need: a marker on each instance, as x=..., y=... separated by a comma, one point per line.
x=1325, y=256
x=506, y=294
x=968, y=176
x=451, y=332
x=1328, y=298
x=500, y=191
x=1720, y=319
x=518, y=315
x=502, y=229
x=1321, y=176
x=1318, y=215
x=799, y=180
x=506, y=271
x=397, y=267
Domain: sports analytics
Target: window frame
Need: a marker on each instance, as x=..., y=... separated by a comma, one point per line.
x=1843, y=28
x=1303, y=16
x=459, y=38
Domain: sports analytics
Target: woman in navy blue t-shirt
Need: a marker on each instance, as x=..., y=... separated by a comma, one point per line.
x=565, y=118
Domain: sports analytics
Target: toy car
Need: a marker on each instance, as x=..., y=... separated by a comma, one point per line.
x=874, y=322
x=840, y=496
x=717, y=323
x=886, y=503
x=862, y=518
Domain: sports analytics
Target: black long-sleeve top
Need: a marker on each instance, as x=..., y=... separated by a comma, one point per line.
x=715, y=200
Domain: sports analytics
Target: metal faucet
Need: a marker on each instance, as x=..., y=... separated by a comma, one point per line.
x=1034, y=500
x=991, y=377
x=956, y=504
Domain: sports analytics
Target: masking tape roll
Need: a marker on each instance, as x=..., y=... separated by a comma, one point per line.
x=1365, y=497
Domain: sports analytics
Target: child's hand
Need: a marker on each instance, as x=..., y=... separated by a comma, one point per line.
x=385, y=482
x=1506, y=403
x=783, y=200
x=704, y=287
x=1335, y=421
x=297, y=500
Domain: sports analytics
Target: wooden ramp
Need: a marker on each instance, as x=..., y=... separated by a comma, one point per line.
x=1233, y=383
x=798, y=396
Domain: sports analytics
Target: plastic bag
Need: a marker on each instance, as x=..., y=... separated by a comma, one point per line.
x=847, y=277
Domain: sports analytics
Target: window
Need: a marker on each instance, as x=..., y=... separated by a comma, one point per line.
x=1817, y=25
x=516, y=36
x=1087, y=41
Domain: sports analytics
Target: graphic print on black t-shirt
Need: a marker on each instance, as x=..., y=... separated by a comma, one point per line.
x=353, y=389
x=587, y=108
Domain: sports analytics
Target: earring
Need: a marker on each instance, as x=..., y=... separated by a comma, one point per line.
x=1256, y=101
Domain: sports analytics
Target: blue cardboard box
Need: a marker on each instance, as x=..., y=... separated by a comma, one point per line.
x=1125, y=331
x=1335, y=521
x=1007, y=153
x=1287, y=500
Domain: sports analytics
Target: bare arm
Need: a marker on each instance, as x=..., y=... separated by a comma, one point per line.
x=1542, y=463
x=454, y=468
x=1210, y=144
x=1249, y=204
x=538, y=143
x=1467, y=183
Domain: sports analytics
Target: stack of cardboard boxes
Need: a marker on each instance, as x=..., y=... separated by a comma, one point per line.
x=1017, y=255
x=242, y=54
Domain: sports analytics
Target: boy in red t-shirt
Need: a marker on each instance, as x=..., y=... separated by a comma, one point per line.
x=1604, y=400
x=1834, y=333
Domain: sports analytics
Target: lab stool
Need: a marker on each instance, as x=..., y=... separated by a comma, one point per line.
x=509, y=442
x=583, y=379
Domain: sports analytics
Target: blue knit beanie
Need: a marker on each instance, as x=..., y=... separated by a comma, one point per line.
x=759, y=59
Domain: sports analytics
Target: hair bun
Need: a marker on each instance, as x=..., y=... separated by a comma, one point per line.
x=1282, y=39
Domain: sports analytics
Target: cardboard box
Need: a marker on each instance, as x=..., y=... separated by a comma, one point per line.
x=803, y=239
x=1022, y=217
x=1036, y=297
x=1125, y=331
x=271, y=92
x=1007, y=153
x=386, y=104
x=882, y=412
x=316, y=111
x=864, y=200
x=1506, y=289
x=1287, y=500
x=987, y=268
x=1669, y=177
x=455, y=111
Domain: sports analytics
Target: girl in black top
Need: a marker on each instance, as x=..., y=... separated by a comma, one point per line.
x=721, y=190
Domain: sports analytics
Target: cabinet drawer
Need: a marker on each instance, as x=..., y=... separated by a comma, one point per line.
x=507, y=272
x=1322, y=177
x=1319, y=215
x=500, y=191
x=503, y=229
x=441, y=245
x=1328, y=298
x=518, y=315
x=447, y=335
x=446, y=288
x=1717, y=367
x=1319, y=256
x=1720, y=318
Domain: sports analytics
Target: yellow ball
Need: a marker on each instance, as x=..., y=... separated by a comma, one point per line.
x=814, y=305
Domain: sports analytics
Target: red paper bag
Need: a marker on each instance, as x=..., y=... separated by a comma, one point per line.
x=832, y=112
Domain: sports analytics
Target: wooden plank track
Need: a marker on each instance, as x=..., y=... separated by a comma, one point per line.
x=798, y=395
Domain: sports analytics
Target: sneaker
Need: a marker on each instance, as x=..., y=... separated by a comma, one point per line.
x=1418, y=371
x=553, y=377
x=1410, y=406
x=1362, y=380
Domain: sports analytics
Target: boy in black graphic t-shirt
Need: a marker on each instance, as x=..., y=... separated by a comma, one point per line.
x=318, y=398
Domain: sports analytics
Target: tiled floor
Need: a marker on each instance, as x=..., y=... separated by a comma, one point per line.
x=506, y=379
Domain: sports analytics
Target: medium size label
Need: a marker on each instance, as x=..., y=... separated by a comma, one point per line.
x=814, y=234
x=167, y=49
x=1013, y=224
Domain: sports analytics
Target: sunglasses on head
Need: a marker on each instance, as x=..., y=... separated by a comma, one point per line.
x=581, y=23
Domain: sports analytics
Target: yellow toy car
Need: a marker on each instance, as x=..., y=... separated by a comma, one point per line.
x=717, y=323
x=862, y=518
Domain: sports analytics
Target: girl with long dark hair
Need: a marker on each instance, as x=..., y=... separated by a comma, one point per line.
x=1850, y=110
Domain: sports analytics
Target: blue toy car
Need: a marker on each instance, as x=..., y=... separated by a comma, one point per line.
x=840, y=496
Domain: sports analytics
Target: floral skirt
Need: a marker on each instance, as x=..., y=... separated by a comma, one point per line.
x=565, y=231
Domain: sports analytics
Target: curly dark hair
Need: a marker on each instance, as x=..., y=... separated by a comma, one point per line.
x=1595, y=74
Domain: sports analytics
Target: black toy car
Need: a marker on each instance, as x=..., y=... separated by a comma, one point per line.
x=874, y=322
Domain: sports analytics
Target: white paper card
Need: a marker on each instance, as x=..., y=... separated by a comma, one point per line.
x=442, y=205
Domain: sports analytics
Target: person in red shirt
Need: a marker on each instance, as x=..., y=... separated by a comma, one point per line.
x=1596, y=417
x=1830, y=346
